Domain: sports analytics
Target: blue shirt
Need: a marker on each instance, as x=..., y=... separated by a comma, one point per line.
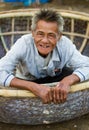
x=24, y=61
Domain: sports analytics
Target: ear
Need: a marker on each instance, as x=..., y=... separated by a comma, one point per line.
x=33, y=33
x=60, y=35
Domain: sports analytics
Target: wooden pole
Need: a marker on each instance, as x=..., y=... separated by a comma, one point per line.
x=25, y=93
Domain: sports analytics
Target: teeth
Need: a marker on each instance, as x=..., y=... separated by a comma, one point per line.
x=47, y=46
x=44, y=46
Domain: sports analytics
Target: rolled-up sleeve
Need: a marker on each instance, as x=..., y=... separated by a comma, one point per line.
x=82, y=68
x=80, y=64
x=10, y=61
x=6, y=78
x=73, y=59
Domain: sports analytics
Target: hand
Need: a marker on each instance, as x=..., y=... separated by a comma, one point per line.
x=62, y=88
x=60, y=92
x=44, y=92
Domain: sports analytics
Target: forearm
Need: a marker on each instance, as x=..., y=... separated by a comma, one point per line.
x=23, y=84
x=61, y=90
x=70, y=80
x=39, y=90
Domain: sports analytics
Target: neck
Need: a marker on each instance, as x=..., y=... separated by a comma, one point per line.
x=44, y=56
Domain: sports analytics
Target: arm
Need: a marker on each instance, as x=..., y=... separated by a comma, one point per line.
x=72, y=59
x=10, y=61
x=41, y=91
x=7, y=72
x=62, y=88
x=80, y=73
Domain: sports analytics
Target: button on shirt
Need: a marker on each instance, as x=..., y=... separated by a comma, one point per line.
x=24, y=61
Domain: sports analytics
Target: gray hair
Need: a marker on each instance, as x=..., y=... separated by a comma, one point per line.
x=48, y=15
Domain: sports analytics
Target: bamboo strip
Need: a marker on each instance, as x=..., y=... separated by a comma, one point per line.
x=75, y=16
x=25, y=93
x=17, y=14
x=76, y=34
x=3, y=41
x=17, y=32
x=85, y=40
x=16, y=93
x=30, y=12
x=72, y=28
x=27, y=24
x=25, y=32
x=12, y=36
x=19, y=10
x=73, y=11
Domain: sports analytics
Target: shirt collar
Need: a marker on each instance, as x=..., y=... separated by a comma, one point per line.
x=55, y=55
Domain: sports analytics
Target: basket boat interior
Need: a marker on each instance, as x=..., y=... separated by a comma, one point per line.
x=14, y=24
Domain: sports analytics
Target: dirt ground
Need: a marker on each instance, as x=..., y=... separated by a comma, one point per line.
x=78, y=5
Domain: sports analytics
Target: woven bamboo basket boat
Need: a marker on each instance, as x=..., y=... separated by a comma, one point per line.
x=23, y=107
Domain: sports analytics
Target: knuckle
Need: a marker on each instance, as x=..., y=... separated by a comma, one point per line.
x=44, y=101
x=49, y=90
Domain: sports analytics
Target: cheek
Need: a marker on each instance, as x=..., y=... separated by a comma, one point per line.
x=53, y=43
x=36, y=40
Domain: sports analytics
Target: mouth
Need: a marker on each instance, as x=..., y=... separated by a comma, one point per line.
x=44, y=46
x=44, y=50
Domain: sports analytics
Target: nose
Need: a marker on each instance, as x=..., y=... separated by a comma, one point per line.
x=45, y=39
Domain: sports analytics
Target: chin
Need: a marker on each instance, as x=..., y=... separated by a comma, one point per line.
x=43, y=54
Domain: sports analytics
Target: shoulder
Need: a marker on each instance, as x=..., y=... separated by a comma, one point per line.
x=65, y=47
x=22, y=45
x=65, y=43
x=24, y=41
x=27, y=38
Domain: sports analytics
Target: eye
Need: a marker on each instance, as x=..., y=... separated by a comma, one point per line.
x=52, y=36
x=40, y=34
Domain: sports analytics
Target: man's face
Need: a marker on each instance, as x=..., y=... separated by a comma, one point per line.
x=46, y=36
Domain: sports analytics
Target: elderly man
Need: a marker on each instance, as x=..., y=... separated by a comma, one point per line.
x=43, y=55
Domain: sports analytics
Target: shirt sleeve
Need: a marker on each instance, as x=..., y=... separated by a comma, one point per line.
x=78, y=63
x=9, y=62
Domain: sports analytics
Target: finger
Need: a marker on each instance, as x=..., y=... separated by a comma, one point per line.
x=50, y=96
x=61, y=93
x=54, y=96
x=57, y=96
x=57, y=93
x=45, y=99
x=65, y=96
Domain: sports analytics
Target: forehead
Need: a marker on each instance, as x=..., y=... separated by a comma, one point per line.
x=47, y=26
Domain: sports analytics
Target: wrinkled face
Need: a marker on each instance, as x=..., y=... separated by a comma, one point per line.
x=46, y=36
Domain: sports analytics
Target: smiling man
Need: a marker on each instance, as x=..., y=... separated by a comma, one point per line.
x=45, y=37
x=41, y=57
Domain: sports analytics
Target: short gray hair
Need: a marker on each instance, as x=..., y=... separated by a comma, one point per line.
x=48, y=15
